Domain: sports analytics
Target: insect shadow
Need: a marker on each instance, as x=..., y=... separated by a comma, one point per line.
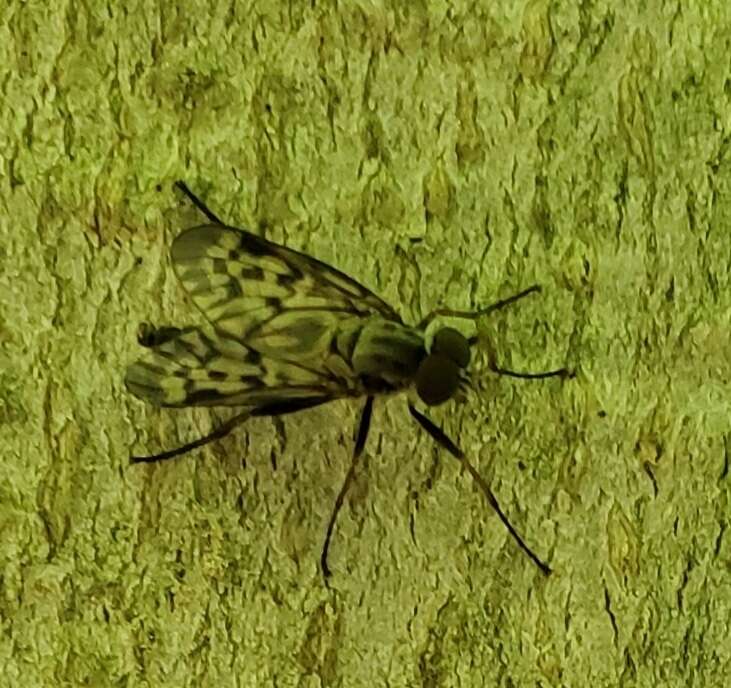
x=285, y=332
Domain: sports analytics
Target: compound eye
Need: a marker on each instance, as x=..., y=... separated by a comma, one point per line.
x=450, y=343
x=437, y=379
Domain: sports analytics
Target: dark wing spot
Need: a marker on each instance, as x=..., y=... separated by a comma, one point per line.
x=252, y=381
x=253, y=357
x=233, y=289
x=252, y=273
x=254, y=245
x=216, y=375
x=200, y=396
x=287, y=279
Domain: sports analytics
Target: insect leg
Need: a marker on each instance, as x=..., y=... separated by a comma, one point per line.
x=217, y=434
x=492, y=365
x=441, y=439
x=198, y=203
x=473, y=315
x=561, y=372
x=363, y=427
x=278, y=408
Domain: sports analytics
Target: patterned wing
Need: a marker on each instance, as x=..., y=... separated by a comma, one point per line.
x=279, y=302
x=203, y=367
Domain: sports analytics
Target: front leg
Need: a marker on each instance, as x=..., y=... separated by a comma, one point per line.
x=473, y=315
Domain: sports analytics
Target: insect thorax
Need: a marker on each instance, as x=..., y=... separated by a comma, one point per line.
x=386, y=355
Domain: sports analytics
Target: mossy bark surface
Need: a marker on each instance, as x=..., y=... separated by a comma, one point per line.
x=442, y=154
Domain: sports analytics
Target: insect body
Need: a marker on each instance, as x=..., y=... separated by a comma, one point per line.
x=286, y=332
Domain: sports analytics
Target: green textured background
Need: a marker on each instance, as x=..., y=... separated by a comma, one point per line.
x=442, y=154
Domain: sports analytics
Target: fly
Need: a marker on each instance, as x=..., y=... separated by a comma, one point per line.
x=286, y=332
